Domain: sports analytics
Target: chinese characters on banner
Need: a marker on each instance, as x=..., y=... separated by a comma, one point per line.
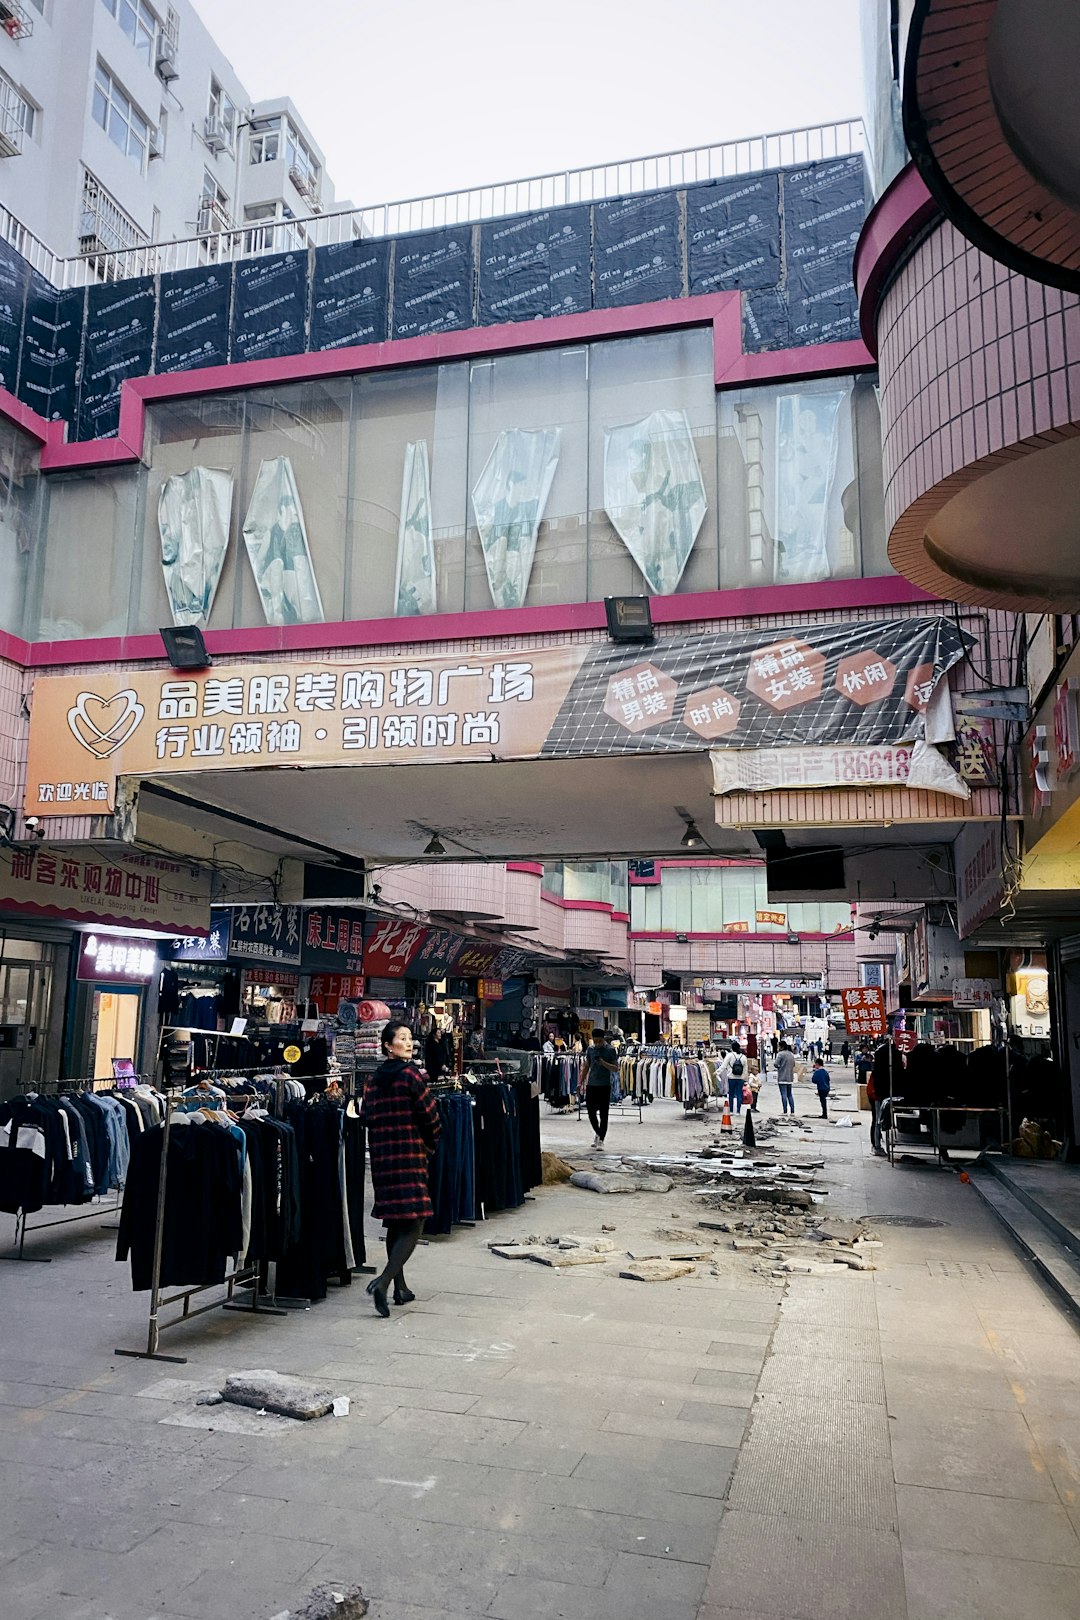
x=777, y=918
x=863, y=687
x=266, y=934
x=329, y=990
x=864, y=1011
x=905, y=1040
x=333, y=940
x=119, y=886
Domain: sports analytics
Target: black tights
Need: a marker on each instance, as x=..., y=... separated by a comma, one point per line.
x=401, y=1239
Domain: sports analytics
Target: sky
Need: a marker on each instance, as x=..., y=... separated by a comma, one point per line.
x=410, y=98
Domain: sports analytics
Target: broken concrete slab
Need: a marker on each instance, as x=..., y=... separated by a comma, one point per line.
x=571, y=1240
x=620, y=1182
x=656, y=1271
x=269, y=1391
x=547, y=1254
x=329, y=1603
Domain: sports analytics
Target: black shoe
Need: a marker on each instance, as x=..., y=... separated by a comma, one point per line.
x=403, y=1296
x=379, y=1296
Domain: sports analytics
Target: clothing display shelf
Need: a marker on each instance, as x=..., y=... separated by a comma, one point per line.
x=243, y=1277
x=100, y=1209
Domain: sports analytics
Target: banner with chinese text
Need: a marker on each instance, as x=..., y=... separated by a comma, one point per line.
x=122, y=887
x=863, y=685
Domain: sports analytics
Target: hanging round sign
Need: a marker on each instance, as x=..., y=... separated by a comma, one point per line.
x=291, y=1054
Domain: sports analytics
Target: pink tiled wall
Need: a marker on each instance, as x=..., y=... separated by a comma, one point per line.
x=838, y=958
x=973, y=359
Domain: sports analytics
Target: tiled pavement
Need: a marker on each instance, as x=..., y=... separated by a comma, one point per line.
x=532, y=1443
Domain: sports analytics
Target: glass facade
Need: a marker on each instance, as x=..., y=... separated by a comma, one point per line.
x=20, y=522
x=726, y=899
x=556, y=476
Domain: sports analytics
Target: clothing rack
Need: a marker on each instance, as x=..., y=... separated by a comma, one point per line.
x=245, y=1276
x=99, y=1211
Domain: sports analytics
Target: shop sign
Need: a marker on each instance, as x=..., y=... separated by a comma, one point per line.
x=269, y=934
x=759, y=770
x=864, y=1011
x=766, y=984
x=777, y=918
x=905, y=1040
x=117, y=886
x=489, y=961
x=329, y=990
x=980, y=883
x=974, y=992
x=1066, y=728
x=655, y=1007
x=390, y=947
x=437, y=954
x=852, y=686
x=677, y=1015
x=211, y=947
x=333, y=939
x=110, y=959
x=490, y=990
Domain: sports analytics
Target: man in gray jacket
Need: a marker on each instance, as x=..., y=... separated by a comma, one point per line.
x=785, y=1076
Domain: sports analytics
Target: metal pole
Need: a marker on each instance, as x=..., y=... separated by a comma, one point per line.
x=159, y=1233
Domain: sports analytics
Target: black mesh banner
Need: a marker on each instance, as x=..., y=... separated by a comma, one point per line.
x=850, y=683
x=733, y=233
x=824, y=208
x=349, y=294
x=514, y=272
x=193, y=318
x=52, y=339
x=766, y=321
x=569, y=260
x=433, y=282
x=269, y=307
x=637, y=254
x=14, y=274
x=119, y=343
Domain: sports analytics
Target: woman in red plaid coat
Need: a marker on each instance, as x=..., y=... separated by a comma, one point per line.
x=402, y=1128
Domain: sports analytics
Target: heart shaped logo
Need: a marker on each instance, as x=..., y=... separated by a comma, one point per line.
x=103, y=725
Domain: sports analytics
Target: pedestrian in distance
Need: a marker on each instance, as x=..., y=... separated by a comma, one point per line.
x=845, y=1053
x=733, y=1070
x=785, y=1077
x=820, y=1079
x=403, y=1125
x=601, y=1066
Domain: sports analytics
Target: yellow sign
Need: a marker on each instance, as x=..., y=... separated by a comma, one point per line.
x=291, y=1054
x=87, y=731
x=779, y=918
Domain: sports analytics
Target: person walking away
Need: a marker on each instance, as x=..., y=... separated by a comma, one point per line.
x=602, y=1064
x=820, y=1079
x=785, y=1077
x=736, y=1073
x=403, y=1125
x=845, y=1053
x=875, y=1113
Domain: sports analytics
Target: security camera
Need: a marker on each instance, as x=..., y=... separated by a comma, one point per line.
x=34, y=827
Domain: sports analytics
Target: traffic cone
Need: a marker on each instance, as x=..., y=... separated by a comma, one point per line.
x=748, y=1137
x=725, y=1118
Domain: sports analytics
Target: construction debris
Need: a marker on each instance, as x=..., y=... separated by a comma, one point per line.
x=619, y=1181
x=656, y=1271
x=269, y=1391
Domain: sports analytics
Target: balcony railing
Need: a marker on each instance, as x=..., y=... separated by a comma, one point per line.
x=787, y=149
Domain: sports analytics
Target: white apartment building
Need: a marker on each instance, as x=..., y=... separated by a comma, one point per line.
x=123, y=123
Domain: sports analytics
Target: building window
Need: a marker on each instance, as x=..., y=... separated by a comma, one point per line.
x=138, y=23
x=119, y=118
x=265, y=142
x=303, y=169
x=18, y=117
x=104, y=226
x=221, y=113
x=213, y=206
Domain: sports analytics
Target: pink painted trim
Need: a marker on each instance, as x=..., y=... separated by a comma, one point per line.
x=13, y=410
x=850, y=594
x=620, y=916
x=734, y=935
x=723, y=311
x=15, y=649
x=535, y=867
x=139, y=925
x=576, y=905
x=899, y=214
x=786, y=365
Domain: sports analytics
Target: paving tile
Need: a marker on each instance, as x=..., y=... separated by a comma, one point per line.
x=725, y=1429
x=640, y=1580
x=994, y=1526
x=990, y=1453
x=523, y=1597
x=963, y=1586
x=801, y=1571
x=911, y=1387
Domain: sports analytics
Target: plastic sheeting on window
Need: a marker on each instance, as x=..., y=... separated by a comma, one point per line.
x=509, y=499
x=807, y=478
x=416, y=587
x=277, y=547
x=194, y=513
x=654, y=494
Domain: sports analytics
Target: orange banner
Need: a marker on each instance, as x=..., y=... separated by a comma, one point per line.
x=88, y=731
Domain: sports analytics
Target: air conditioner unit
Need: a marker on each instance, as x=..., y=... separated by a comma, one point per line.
x=156, y=144
x=165, y=60
x=216, y=135
x=306, y=185
x=212, y=218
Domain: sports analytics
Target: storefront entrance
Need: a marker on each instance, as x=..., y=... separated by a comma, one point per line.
x=114, y=1029
x=25, y=993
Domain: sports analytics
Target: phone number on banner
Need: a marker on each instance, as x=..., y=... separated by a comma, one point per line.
x=757, y=770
